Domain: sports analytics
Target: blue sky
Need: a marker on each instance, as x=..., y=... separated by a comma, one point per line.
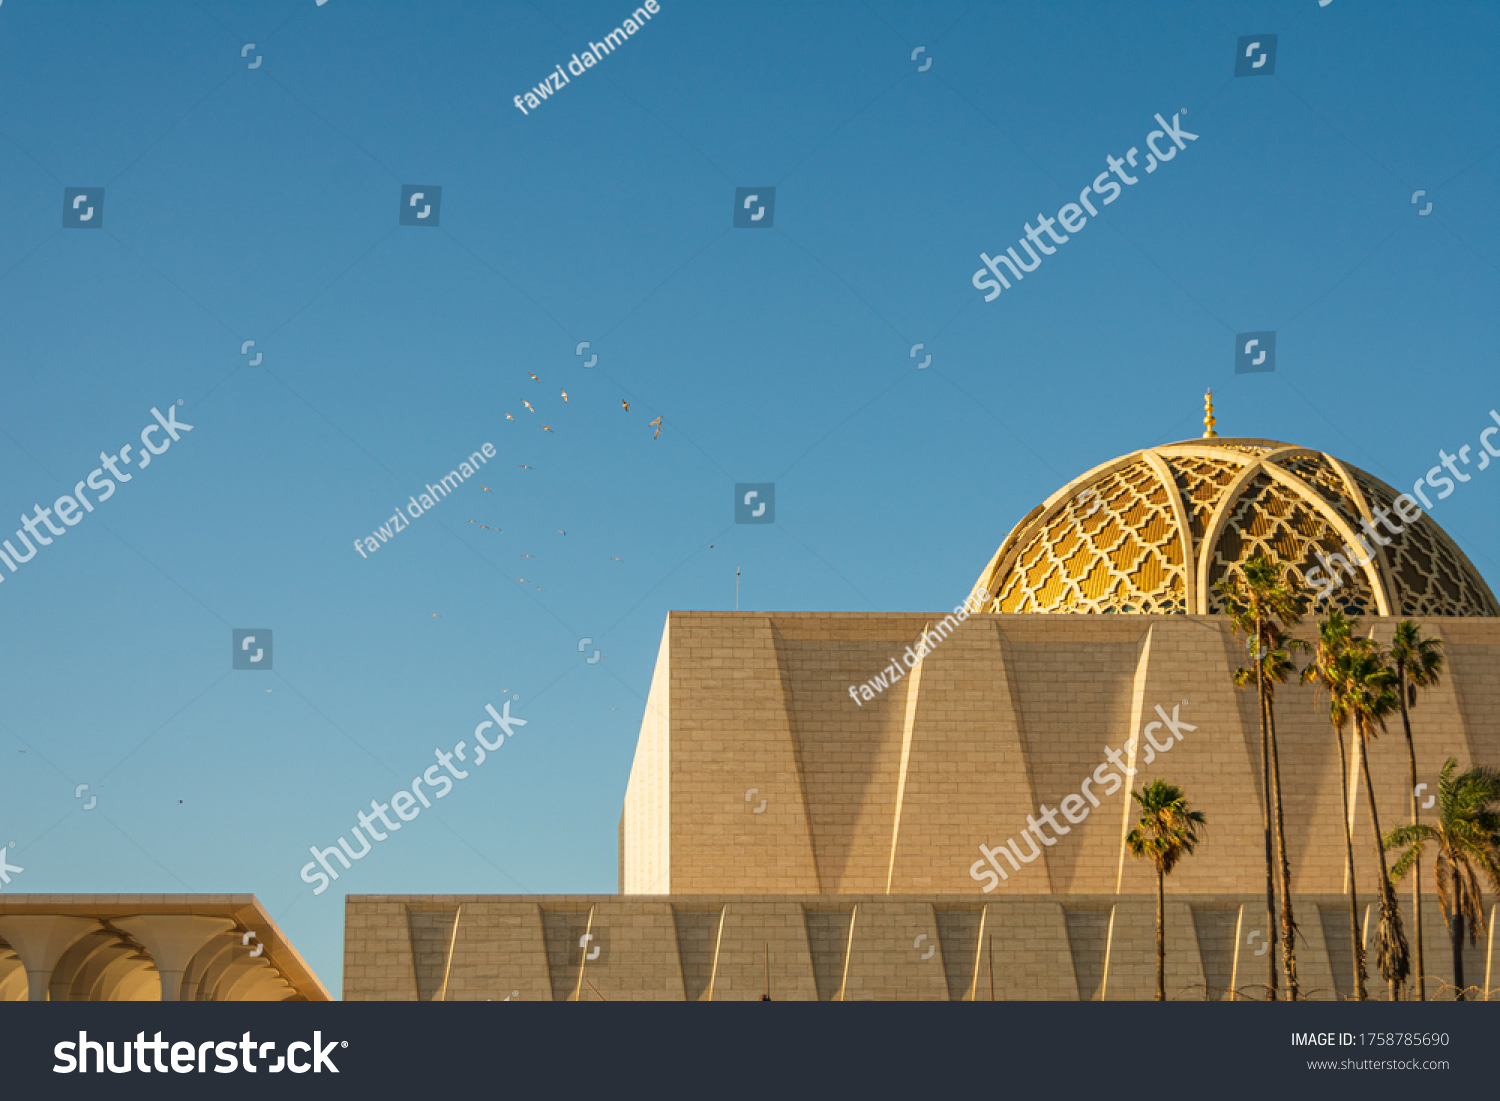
x=261, y=204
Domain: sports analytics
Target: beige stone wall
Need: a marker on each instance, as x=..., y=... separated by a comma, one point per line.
x=775, y=831
x=850, y=948
x=1009, y=712
x=645, y=821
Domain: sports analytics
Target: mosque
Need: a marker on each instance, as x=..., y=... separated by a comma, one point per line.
x=784, y=836
x=780, y=837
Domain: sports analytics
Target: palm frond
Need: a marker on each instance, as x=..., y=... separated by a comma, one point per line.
x=1167, y=829
x=1466, y=836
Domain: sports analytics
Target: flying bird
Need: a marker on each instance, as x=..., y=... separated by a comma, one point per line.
x=533, y=377
x=657, y=424
x=436, y=616
x=565, y=395
x=612, y=558
x=561, y=532
x=487, y=489
x=528, y=556
x=710, y=546
x=527, y=404
x=546, y=429
x=626, y=404
x=510, y=418
x=523, y=466
x=523, y=580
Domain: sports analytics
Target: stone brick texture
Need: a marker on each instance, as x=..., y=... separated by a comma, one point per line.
x=856, y=948
x=772, y=823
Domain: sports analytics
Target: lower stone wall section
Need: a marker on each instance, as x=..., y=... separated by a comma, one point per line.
x=856, y=948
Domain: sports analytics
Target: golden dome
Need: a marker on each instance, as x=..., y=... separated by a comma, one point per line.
x=1153, y=531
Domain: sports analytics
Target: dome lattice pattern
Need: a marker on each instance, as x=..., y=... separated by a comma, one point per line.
x=1154, y=531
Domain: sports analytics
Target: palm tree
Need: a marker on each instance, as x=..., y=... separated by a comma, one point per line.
x=1364, y=687
x=1419, y=664
x=1165, y=834
x=1275, y=668
x=1335, y=635
x=1256, y=602
x=1467, y=839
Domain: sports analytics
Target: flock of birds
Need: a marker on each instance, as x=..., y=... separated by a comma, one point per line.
x=656, y=424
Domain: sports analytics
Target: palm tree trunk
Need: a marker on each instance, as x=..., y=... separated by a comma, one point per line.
x=1458, y=953
x=1416, y=872
x=1390, y=915
x=1288, y=921
x=1265, y=773
x=1356, y=944
x=1161, y=938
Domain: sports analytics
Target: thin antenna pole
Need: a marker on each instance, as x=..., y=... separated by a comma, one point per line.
x=992, y=967
x=737, y=591
x=768, y=972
